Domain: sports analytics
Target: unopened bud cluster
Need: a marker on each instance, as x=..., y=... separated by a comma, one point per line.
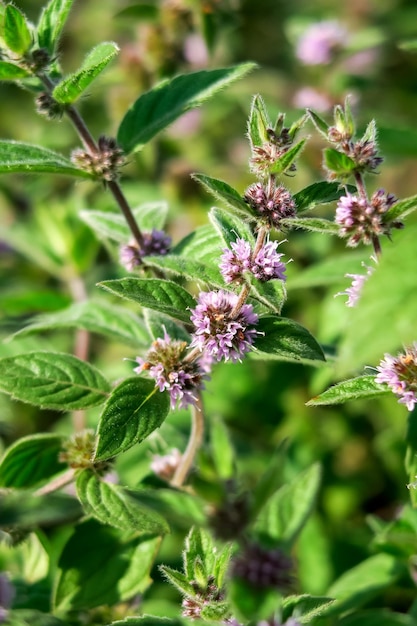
x=47, y=105
x=262, y=567
x=104, y=163
x=156, y=243
x=78, y=452
x=272, y=203
x=192, y=606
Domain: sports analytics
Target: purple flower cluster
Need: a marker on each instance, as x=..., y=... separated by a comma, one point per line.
x=155, y=243
x=400, y=374
x=266, y=265
x=320, y=41
x=165, y=363
x=219, y=333
x=262, y=567
x=361, y=219
x=272, y=203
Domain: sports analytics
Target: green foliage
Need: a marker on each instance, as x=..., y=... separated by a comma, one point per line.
x=224, y=192
x=17, y=33
x=354, y=389
x=319, y=193
x=17, y=156
x=51, y=23
x=258, y=122
x=31, y=460
x=9, y=71
x=281, y=338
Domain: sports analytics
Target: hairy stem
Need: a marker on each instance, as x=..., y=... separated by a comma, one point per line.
x=360, y=185
x=194, y=443
x=56, y=483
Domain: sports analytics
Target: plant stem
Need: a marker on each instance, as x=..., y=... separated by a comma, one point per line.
x=360, y=185
x=56, y=483
x=194, y=443
x=377, y=246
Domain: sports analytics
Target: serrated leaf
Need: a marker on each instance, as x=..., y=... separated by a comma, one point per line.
x=338, y=163
x=97, y=317
x=353, y=389
x=283, y=163
x=31, y=460
x=133, y=411
x=286, y=340
x=230, y=227
x=319, y=123
x=16, y=33
x=287, y=510
x=258, y=122
x=111, y=504
x=187, y=268
x=370, y=132
x=10, y=71
x=313, y=224
x=178, y=579
x=156, y=323
x=272, y=294
x=153, y=293
x=203, y=244
x=24, y=510
x=198, y=544
x=72, y=86
x=51, y=23
x=224, y=192
x=53, y=380
x=319, y=193
x=17, y=156
x=101, y=566
x=304, y=607
x=402, y=208
x=156, y=109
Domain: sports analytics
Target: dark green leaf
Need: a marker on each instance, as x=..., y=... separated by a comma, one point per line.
x=230, y=227
x=134, y=410
x=53, y=380
x=320, y=193
x=72, y=86
x=31, y=460
x=178, y=579
x=10, y=71
x=156, y=109
x=354, y=389
x=142, y=11
x=283, y=163
x=272, y=294
x=270, y=481
x=25, y=510
x=224, y=192
x=377, y=617
x=51, y=22
x=99, y=565
x=153, y=293
x=314, y=224
x=338, y=163
x=112, y=505
x=31, y=617
x=16, y=156
x=187, y=268
x=400, y=209
x=286, y=340
x=258, y=122
x=252, y=603
x=287, y=510
x=180, y=507
x=16, y=34
x=97, y=317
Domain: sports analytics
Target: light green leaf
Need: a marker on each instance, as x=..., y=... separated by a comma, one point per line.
x=230, y=227
x=331, y=271
x=112, y=505
x=10, y=71
x=377, y=617
x=72, y=86
x=180, y=507
x=221, y=449
x=153, y=293
x=16, y=156
x=250, y=603
x=272, y=294
x=283, y=163
x=133, y=411
x=203, y=244
x=31, y=460
x=17, y=33
x=258, y=122
x=187, y=268
x=52, y=380
x=178, y=580
x=286, y=340
x=51, y=23
x=224, y=192
x=287, y=510
x=156, y=109
x=304, y=607
x=319, y=123
x=313, y=224
x=97, y=317
x=338, y=163
x=320, y=193
x=400, y=209
x=101, y=566
x=354, y=389
x=32, y=617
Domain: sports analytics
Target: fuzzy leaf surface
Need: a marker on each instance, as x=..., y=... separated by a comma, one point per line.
x=133, y=411
x=286, y=340
x=187, y=268
x=258, y=122
x=319, y=193
x=313, y=224
x=224, y=192
x=51, y=23
x=16, y=33
x=111, y=504
x=353, y=389
x=156, y=109
x=203, y=244
x=283, y=163
x=230, y=227
x=10, y=71
x=338, y=163
x=72, y=86
x=153, y=293
x=305, y=607
x=31, y=460
x=17, y=156
x=400, y=209
x=53, y=380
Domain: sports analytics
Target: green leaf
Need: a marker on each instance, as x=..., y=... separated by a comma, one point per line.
x=16, y=34
x=203, y=244
x=72, y=86
x=400, y=209
x=258, y=123
x=198, y=546
x=224, y=192
x=24, y=510
x=338, y=163
x=377, y=617
x=101, y=566
x=252, y=603
x=180, y=507
x=142, y=11
x=370, y=133
x=320, y=193
x=153, y=293
x=31, y=460
x=53, y=380
x=319, y=123
x=354, y=389
x=313, y=224
x=221, y=449
x=99, y=317
x=230, y=227
x=364, y=582
x=178, y=580
x=112, y=505
x=270, y=480
x=283, y=163
x=31, y=617
x=287, y=510
x=187, y=268
x=156, y=109
x=133, y=411
x=51, y=23
x=272, y=294
x=10, y=71
x=286, y=340
x=155, y=323
x=16, y=156
x=304, y=607
x=152, y=620
x=330, y=271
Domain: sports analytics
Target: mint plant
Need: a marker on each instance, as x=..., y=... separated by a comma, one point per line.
x=215, y=296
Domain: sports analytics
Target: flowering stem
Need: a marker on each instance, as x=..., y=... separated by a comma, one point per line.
x=246, y=288
x=194, y=443
x=377, y=246
x=57, y=483
x=360, y=185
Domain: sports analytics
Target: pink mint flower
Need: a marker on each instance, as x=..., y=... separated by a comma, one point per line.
x=266, y=265
x=271, y=203
x=320, y=41
x=220, y=335
x=155, y=243
x=400, y=374
x=361, y=219
x=358, y=280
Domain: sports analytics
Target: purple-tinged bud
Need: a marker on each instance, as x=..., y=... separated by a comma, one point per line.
x=262, y=567
x=156, y=243
x=103, y=164
x=271, y=203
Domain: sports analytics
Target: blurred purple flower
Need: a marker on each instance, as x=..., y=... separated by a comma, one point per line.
x=195, y=51
x=156, y=243
x=310, y=98
x=400, y=374
x=7, y=593
x=165, y=465
x=320, y=41
x=358, y=280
